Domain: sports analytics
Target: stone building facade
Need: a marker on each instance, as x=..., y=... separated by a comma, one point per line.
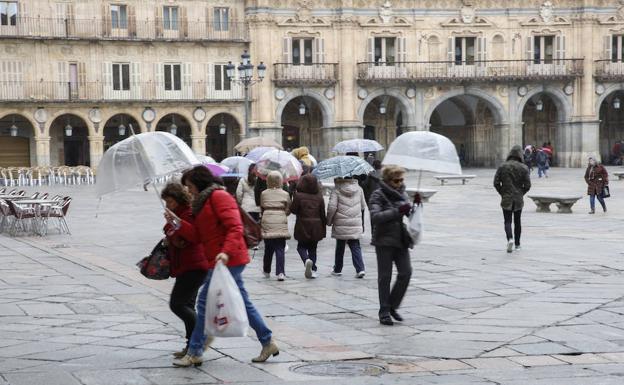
x=487, y=74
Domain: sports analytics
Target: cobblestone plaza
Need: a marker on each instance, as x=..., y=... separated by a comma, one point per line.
x=74, y=309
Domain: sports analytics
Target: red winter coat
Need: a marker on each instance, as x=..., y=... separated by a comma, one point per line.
x=185, y=256
x=219, y=228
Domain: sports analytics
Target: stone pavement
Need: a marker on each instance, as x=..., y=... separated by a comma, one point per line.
x=74, y=310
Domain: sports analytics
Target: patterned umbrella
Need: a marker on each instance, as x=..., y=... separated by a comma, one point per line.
x=281, y=161
x=357, y=145
x=341, y=167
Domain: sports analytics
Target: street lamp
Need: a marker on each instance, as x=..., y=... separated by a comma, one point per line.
x=382, y=108
x=245, y=77
x=173, y=129
x=222, y=128
x=539, y=105
x=68, y=129
x=302, y=109
x=616, y=103
x=13, y=130
x=122, y=129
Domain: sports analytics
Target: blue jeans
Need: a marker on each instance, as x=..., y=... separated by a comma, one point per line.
x=541, y=170
x=198, y=338
x=356, y=254
x=592, y=201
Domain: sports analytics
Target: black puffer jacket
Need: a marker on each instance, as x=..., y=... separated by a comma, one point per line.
x=388, y=227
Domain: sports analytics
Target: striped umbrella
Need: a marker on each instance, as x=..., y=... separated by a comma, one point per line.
x=341, y=167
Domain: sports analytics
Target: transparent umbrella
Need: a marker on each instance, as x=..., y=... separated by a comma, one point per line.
x=141, y=159
x=238, y=165
x=281, y=161
x=249, y=144
x=341, y=167
x=357, y=145
x=255, y=154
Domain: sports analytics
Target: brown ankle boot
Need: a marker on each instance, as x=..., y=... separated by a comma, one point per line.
x=267, y=351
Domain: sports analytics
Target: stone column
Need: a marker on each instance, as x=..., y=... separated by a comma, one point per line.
x=199, y=144
x=96, y=150
x=43, y=150
x=503, y=133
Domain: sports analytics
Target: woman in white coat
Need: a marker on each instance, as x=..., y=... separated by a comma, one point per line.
x=245, y=194
x=345, y=214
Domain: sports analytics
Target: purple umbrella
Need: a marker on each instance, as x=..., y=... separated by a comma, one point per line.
x=217, y=169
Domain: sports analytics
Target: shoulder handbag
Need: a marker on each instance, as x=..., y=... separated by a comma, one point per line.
x=252, y=232
x=605, y=192
x=157, y=264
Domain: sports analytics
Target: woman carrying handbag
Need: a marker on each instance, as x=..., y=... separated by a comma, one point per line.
x=597, y=180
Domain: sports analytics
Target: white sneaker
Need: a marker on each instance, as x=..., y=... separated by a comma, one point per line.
x=314, y=275
x=266, y=275
x=335, y=273
x=308, y=268
x=286, y=248
x=510, y=245
x=360, y=274
x=281, y=277
x=518, y=247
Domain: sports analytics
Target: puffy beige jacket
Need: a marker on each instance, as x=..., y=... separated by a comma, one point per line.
x=245, y=196
x=275, y=204
x=344, y=211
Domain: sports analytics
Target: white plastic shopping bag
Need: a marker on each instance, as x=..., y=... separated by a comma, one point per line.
x=225, y=310
x=415, y=223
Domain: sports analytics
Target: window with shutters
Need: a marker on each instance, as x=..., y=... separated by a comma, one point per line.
x=543, y=49
x=119, y=16
x=617, y=53
x=121, y=76
x=170, y=18
x=302, y=51
x=173, y=77
x=221, y=17
x=8, y=13
x=385, y=50
x=222, y=82
x=464, y=50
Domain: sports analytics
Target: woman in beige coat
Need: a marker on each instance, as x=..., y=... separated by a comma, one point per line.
x=345, y=213
x=275, y=205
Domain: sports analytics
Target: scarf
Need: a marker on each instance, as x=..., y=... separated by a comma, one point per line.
x=200, y=201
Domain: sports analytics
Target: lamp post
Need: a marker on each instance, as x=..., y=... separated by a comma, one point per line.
x=616, y=103
x=246, y=78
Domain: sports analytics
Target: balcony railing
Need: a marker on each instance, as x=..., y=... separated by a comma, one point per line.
x=489, y=70
x=70, y=28
x=608, y=70
x=305, y=74
x=98, y=91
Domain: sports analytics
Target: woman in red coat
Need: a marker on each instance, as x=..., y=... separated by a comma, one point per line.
x=218, y=226
x=188, y=263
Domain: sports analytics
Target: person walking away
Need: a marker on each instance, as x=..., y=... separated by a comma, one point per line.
x=345, y=213
x=309, y=207
x=245, y=194
x=219, y=228
x=371, y=183
x=528, y=158
x=388, y=205
x=188, y=265
x=512, y=181
x=541, y=160
x=597, y=178
x=275, y=206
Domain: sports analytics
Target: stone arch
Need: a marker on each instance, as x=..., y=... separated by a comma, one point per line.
x=134, y=114
x=327, y=107
x=32, y=121
x=240, y=120
x=77, y=113
x=608, y=91
x=161, y=113
x=561, y=100
x=500, y=114
x=406, y=105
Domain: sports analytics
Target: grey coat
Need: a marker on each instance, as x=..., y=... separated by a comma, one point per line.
x=388, y=227
x=512, y=181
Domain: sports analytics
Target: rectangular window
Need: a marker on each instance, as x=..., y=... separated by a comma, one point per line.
x=170, y=18
x=222, y=82
x=465, y=50
x=543, y=49
x=385, y=51
x=173, y=78
x=617, y=53
x=221, y=17
x=302, y=51
x=121, y=76
x=8, y=13
x=119, y=16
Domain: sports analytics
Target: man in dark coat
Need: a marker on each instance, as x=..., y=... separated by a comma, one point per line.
x=371, y=183
x=388, y=205
x=309, y=207
x=512, y=181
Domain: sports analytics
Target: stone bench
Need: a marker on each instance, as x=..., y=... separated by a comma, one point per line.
x=463, y=178
x=563, y=202
x=425, y=194
x=619, y=174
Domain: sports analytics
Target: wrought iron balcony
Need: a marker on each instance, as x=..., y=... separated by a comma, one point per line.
x=98, y=91
x=131, y=29
x=608, y=70
x=489, y=70
x=288, y=74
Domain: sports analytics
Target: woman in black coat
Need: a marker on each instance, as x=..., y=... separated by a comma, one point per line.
x=388, y=205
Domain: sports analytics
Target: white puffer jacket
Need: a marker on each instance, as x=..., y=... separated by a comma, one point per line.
x=245, y=196
x=344, y=211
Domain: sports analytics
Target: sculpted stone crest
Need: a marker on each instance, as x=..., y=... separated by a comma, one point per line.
x=385, y=12
x=304, y=13
x=467, y=14
x=546, y=12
